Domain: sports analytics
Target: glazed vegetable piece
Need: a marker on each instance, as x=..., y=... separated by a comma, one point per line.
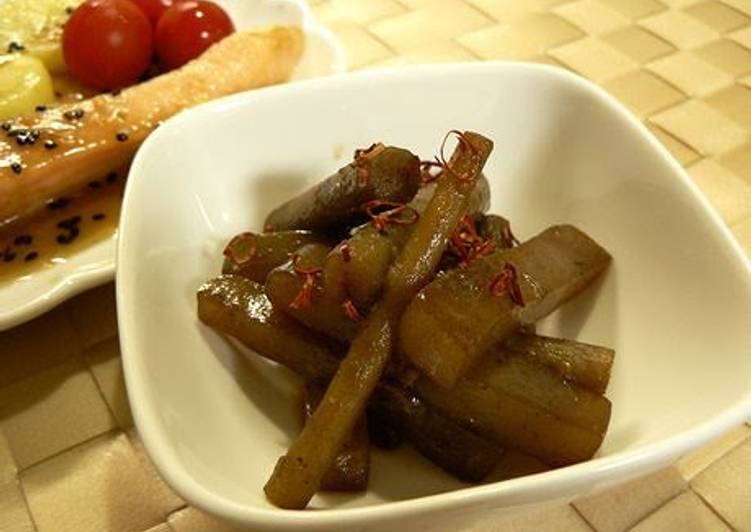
x=298, y=474
x=520, y=404
x=583, y=364
x=254, y=255
x=353, y=274
x=477, y=236
x=369, y=252
x=239, y=307
x=462, y=453
x=514, y=464
x=496, y=228
x=462, y=313
x=352, y=465
x=479, y=201
x=378, y=173
x=296, y=288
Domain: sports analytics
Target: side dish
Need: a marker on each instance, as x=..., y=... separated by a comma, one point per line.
x=409, y=312
x=65, y=145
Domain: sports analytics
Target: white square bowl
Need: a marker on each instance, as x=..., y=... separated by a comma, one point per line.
x=676, y=303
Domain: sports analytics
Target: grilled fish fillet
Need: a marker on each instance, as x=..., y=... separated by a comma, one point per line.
x=58, y=151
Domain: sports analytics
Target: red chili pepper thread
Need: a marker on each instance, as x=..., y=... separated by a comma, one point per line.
x=362, y=160
x=310, y=275
x=467, y=244
x=232, y=254
x=350, y=310
x=394, y=213
x=463, y=178
x=507, y=282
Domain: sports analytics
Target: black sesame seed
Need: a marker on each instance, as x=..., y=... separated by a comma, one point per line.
x=95, y=184
x=23, y=240
x=69, y=10
x=50, y=144
x=26, y=136
x=40, y=108
x=6, y=126
x=58, y=203
x=69, y=223
x=31, y=256
x=121, y=137
x=15, y=47
x=69, y=237
x=98, y=217
x=73, y=114
x=111, y=177
x=17, y=168
x=8, y=255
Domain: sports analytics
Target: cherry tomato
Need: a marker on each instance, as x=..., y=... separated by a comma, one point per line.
x=154, y=9
x=107, y=44
x=187, y=29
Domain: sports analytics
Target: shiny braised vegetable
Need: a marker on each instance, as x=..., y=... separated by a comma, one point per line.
x=462, y=313
x=238, y=307
x=351, y=467
x=518, y=403
x=379, y=173
x=254, y=255
x=298, y=474
x=353, y=274
x=418, y=324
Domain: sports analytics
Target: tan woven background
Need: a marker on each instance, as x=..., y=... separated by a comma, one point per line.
x=69, y=457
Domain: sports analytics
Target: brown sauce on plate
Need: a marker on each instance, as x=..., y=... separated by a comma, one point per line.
x=66, y=225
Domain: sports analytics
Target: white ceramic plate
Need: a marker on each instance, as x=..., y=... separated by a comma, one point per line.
x=31, y=295
x=675, y=304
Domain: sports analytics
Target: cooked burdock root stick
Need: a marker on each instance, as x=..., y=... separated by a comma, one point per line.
x=378, y=173
x=254, y=255
x=463, y=313
x=583, y=364
x=238, y=307
x=351, y=467
x=462, y=453
x=298, y=474
x=312, y=291
x=519, y=404
x=352, y=274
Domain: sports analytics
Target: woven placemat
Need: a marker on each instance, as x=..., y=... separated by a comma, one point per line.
x=69, y=457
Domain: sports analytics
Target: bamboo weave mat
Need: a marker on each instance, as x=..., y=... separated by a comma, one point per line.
x=69, y=457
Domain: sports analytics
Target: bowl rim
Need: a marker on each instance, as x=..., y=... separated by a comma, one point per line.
x=626, y=464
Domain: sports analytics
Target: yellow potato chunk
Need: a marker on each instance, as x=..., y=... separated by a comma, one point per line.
x=36, y=26
x=24, y=84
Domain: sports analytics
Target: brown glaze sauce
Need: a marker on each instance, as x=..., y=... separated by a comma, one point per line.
x=66, y=225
